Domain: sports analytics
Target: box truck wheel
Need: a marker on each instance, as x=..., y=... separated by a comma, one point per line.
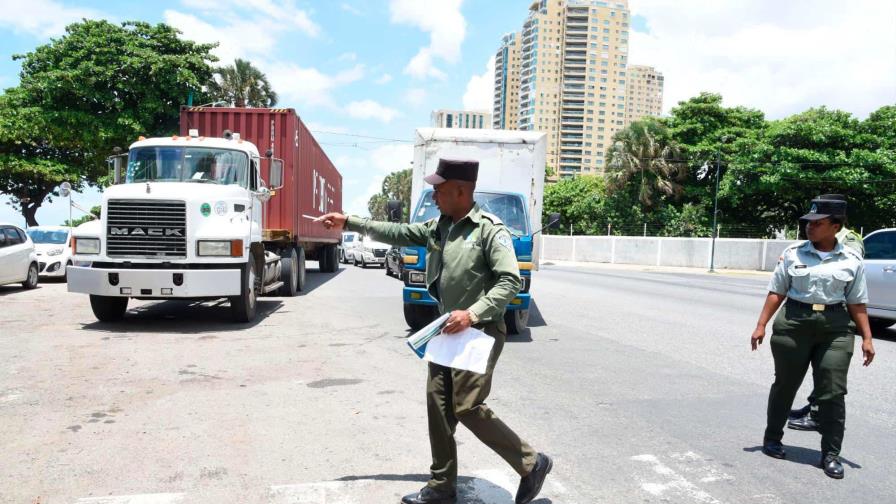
x=289, y=272
x=244, y=306
x=108, y=308
x=516, y=320
x=328, y=259
x=301, y=257
x=417, y=316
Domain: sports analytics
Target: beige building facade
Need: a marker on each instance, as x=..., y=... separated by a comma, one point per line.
x=643, y=92
x=505, y=111
x=472, y=119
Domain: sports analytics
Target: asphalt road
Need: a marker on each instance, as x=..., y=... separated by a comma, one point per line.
x=640, y=384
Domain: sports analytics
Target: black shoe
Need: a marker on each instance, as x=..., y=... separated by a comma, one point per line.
x=430, y=496
x=800, y=413
x=773, y=449
x=531, y=483
x=806, y=423
x=832, y=466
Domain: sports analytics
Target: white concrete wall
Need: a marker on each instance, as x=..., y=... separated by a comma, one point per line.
x=731, y=253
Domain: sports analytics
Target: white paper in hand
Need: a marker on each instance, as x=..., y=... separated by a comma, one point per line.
x=468, y=350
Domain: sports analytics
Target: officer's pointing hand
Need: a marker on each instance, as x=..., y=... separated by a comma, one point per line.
x=333, y=219
x=457, y=322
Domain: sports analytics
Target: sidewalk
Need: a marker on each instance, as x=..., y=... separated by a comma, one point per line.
x=660, y=269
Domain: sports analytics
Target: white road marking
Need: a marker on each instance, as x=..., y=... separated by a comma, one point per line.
x=678, y=484
x=162, y=498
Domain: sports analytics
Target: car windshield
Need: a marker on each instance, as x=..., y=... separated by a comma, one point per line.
x=507, y=207
x=57, y=237
x=182, y=164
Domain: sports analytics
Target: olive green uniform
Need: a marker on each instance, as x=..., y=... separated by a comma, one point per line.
x=814, y=327
x=470, y=265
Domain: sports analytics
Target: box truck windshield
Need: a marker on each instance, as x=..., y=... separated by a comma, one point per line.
x=180, y=164
x=507, y=207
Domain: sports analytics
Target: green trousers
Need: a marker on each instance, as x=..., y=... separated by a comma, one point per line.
x=800, y=337
x=454, y=396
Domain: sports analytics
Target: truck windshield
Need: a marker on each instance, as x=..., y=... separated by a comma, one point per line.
x=507, y=207
x=185, y=164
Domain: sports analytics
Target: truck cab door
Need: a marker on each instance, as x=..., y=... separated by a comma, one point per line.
x=258, y=201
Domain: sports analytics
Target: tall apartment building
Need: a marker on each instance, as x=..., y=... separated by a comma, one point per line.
x=643, y=93
x=573, y=58
x=473, y=119
x=505, y=113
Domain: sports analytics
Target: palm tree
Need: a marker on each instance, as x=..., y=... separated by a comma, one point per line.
x=645, y=153
x=241, y=85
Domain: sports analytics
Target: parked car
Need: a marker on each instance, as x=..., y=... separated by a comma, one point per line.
x=53, y=246
x=394, y=262
x=18, y=261
x=880, y=272
x=350, y=241
x=369, y=252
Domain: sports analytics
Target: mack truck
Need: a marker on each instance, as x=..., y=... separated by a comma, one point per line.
x=223, y=210
x=510, y=186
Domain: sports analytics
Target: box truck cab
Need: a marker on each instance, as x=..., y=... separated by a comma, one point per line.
x=206, y=215
x=510, y=186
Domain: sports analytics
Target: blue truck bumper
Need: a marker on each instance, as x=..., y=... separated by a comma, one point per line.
x=419, y=295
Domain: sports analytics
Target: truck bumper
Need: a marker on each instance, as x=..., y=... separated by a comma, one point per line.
x=419, y=295
x=150, y=283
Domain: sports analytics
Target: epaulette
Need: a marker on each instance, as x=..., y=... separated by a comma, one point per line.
x=853, y=252
x=493, y=218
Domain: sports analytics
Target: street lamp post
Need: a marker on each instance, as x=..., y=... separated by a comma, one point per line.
x=715, y=212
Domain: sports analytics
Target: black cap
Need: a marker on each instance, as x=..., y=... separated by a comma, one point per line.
x=824, y=208
x=453, y=169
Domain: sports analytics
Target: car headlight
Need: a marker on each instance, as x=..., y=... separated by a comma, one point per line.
x=369, y=250
x=220, y=248
x=87, y=245
x=417, y=277
x=54, y=252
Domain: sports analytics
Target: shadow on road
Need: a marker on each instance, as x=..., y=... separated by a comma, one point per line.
x=184, y=317
x=800, y=455
x=314, y=278
x=7, y=290
x=469, y=490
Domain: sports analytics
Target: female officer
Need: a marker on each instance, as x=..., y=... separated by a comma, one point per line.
x=817, y=278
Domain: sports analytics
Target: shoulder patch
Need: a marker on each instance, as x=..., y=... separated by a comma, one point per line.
x=852, y=252
x=504, y=240
x=493, y=218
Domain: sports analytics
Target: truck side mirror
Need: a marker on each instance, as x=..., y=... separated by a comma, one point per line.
x=276, y=174
x=118, y=167
x=394, y=208
x=554, y=221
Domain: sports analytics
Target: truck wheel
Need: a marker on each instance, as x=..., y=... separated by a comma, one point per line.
x=417, y=316
x=334, y=252
x=289, y=273
x=323, y=260
x=32, y=278
x=328, y=262
x=108, y=308
x=244, y=307
x=301, y=258
x=516, y=320
x=878, y=324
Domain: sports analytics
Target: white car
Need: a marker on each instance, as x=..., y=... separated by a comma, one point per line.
x=880, y=273
x=370, y=252
x=53, y=246
x=18, y=261
x=350, y=241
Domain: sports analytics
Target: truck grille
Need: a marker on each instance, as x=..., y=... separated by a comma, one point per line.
x=146, y=229
x=379, y=252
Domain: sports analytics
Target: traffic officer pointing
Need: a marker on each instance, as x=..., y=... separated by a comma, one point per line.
x=823, y=283
x=472, y=272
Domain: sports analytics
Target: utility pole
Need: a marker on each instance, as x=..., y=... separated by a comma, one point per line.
x=715, y=212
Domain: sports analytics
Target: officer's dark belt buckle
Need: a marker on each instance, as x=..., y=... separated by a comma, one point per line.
x=818, y=307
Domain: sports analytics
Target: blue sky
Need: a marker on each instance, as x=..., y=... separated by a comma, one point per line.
x=379, y=67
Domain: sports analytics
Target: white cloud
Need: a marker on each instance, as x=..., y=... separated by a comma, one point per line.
x=780, y=57
x=369, y=109
x=351, y=9
x=265, y=15
x=42, y=18
x=229, y=48
x=301, y=86
x=384, y=79
x=370, y=169
x=446, y=27
x=416, y=96
x=480, y=92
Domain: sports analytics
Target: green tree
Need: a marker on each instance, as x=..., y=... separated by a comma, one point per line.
x=94, y=214
x=98, y=86
x=644, y=155
x=396, y=186
x=587, y=207
x=241, y=85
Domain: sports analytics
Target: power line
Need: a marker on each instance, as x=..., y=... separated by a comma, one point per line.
x=362, y=136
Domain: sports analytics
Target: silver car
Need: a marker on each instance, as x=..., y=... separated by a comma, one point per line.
x=880, y=272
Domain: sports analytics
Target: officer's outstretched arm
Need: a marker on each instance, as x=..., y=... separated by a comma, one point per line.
x=402, y=235
x=503, y=263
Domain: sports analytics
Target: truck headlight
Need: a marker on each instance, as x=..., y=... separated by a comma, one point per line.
x=417, y=278
x=87, y=245
x=220, y=248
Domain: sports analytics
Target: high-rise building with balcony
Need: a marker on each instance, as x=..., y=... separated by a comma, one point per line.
x=472, y=119
x=573, y=57
x=643, y=93
x=505, y=113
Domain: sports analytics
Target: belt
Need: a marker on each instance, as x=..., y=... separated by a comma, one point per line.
x=814, y=307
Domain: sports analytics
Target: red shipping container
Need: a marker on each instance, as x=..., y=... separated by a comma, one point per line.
x=311, y=184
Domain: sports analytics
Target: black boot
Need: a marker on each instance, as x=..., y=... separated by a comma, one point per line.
x=832, y=466
x=806, y=423
x=800, y=413
x=773, y=449
x=531, y=483
x=429, y=495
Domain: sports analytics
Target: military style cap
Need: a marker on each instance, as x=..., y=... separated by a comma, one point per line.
x=453, y=169
x=824, y=208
